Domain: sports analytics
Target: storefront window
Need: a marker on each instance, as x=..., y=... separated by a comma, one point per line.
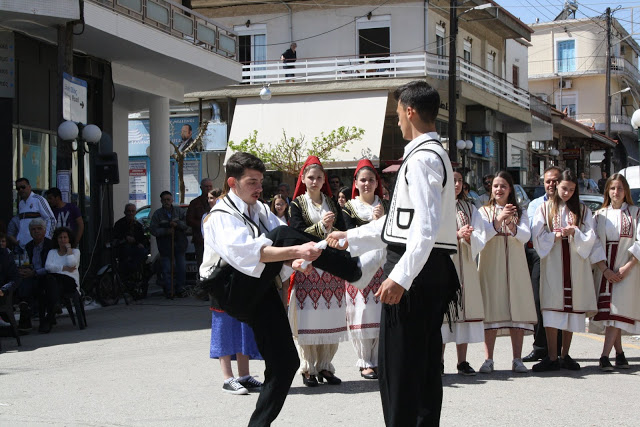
x=34, y=155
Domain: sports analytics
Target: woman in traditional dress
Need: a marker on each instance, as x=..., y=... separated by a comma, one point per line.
x=317, y=310
x=280, y=208
x=617, y=276
x=363, y=308
x=563, y=235
x=232, y=339
x=504, y=275
x=469, y=327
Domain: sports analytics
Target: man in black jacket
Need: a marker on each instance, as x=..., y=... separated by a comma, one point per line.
x=131, y=241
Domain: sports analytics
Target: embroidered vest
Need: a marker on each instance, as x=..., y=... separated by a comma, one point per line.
x=402, y=209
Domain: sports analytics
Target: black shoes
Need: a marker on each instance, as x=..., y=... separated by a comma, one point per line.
x=465, y=369
x=45, y=326
x=369, y=376
x=24, y=324
x=605, y=365
x=331, y=379
x=535, y=355
x=567, y=362
x=546, y=365
x=309, y=382
x=621, y=361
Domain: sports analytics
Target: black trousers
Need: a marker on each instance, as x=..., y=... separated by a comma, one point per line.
x=410, y=347
x=539, y=333
x=256, y=302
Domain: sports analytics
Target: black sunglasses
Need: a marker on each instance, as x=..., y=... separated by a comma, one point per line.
x=21, y=187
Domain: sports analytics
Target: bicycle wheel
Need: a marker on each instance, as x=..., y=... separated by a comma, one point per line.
x=108, y=290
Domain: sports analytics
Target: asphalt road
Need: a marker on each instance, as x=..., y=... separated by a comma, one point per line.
x=148, y=364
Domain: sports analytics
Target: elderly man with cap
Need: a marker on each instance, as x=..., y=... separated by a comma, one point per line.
x=34, y=275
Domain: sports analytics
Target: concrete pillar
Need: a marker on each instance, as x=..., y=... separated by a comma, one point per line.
x=159, y=149
x=121, y=147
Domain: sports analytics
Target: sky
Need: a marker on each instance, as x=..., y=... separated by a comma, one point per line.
x=547, y=10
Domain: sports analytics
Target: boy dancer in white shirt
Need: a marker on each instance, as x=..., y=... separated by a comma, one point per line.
x=245, y=234
x=421, y=282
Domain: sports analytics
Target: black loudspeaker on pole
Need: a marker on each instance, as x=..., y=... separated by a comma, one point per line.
x=106, y=171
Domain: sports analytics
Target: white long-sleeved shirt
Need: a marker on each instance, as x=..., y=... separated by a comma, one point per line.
x=612, y=229
x=230, y=238
x=55, y=263
x=425, y=174
x=522, y=232
x=34, y=204
x=543, y=240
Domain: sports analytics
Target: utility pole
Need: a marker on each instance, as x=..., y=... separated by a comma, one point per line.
x=607, y=110
x=453, y=125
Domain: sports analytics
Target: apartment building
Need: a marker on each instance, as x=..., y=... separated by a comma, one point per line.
x=567, y=68
x=349, y=58
x=116, y=57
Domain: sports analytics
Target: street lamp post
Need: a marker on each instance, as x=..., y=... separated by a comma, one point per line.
x=464, y=147
x=69, y=131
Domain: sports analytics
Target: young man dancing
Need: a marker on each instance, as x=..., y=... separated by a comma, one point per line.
x=421, y=283
x=242, y=231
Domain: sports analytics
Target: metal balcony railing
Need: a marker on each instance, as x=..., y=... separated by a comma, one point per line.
x=594, y=119
x=179, y=21
x=394, y=65
x=583, y=66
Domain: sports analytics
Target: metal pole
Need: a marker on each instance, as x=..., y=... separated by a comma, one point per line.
x=607, y=112
x=452, y=129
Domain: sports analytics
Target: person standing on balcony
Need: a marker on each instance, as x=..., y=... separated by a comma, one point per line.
x=289, y=56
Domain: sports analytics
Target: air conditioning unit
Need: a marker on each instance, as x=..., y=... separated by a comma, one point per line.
x=543, y=96
x=565, y=84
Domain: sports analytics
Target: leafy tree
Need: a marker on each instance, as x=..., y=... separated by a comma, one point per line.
x=290, y=153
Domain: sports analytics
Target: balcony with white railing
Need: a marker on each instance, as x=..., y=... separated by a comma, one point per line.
x=174, y=19
x=392, y=66
x=623, y=66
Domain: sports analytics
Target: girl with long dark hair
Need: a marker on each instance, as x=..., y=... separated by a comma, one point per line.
x=563, y=235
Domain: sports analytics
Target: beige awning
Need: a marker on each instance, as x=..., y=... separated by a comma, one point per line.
x=311, y=114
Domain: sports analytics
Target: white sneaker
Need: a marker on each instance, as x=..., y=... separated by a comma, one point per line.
x=234, y=387
x=518, y=366
x=487, y=367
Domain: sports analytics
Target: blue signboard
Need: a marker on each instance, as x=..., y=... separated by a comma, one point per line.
x=477, y=145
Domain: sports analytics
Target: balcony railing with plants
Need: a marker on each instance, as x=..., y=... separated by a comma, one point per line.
x=179, y=21
x=394, y=65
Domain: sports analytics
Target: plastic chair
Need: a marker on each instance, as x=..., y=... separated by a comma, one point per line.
x=71, y=300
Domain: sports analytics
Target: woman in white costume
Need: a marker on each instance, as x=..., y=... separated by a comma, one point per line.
x=317, y=308
x=363, y=307
x=469, y=327
x=504, y=275
x=617, y=276
x=563, y=235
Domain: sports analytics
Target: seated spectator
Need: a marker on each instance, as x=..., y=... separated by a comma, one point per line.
x=62, y=265
x=34, y=275
x=67, y=214
x=8, y=276
x=3, y=240
x=131, y=245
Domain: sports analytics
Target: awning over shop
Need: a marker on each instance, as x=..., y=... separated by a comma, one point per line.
x=311, y=114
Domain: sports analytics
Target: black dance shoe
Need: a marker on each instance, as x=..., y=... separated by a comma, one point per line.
x=331, y=379
x=309, y=382
x=535, y=355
